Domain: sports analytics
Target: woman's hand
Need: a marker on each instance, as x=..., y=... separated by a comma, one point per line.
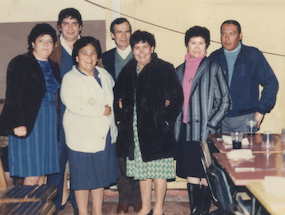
x=167, y=102
x=107, y=111
x=120, y=103
x=20, y=131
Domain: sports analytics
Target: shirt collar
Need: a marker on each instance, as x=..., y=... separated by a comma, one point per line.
x=124, y=53
x=64, y=44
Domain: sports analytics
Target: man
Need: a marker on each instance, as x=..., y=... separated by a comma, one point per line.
x=69, y=25
x=114, y=60
x=246, y=68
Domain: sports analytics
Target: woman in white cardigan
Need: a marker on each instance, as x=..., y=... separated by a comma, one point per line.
x=89, y=126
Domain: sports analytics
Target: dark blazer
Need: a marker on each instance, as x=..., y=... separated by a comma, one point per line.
x=108, y=60
x=155, y=84
x=25, y=91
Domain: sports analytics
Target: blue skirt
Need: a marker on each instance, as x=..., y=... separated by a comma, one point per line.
x=37, y=154
x=89, y=171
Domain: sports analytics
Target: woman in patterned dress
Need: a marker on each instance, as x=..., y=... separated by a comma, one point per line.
x=148, y=98
x=29, y=115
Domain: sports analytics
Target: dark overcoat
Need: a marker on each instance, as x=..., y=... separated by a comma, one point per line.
x=156, y=83
x=25, y=91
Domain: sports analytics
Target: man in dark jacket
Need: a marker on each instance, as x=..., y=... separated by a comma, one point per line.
x=246, y=68
x=70, y=25
x=114, y=60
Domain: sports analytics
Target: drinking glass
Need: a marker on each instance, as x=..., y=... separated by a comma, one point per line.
x=251, y=127
x=267, y=139
x=283, y=134
x=283, y=162
x=236, y=139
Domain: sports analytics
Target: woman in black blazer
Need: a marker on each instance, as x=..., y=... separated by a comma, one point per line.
x=29, y=115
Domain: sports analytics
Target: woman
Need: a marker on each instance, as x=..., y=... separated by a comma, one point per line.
x=89, y=126
x=29, y=115
x=148, y=98
x=206, y=102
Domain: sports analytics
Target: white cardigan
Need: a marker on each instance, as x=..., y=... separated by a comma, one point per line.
x=84, y=124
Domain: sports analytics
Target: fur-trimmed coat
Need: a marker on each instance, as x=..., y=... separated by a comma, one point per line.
x=25, y=91
x=156, y=83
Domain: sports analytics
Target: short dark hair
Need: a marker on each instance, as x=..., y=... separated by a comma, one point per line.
x=40, y=30
x=69, y=12
x=197, y=31
x=142, y=36
x=82, y=42
x=232, y=22
x=119, y=21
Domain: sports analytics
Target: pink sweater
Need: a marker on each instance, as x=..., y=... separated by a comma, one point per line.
x=191, y=67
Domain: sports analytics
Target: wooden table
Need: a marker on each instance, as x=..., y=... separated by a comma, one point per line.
x=255, y=143
x=275, y=205
x=271, y=162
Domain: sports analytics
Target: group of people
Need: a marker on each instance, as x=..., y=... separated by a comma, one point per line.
x=124, y=116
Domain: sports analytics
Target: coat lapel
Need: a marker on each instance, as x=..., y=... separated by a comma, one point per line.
x=197, y=76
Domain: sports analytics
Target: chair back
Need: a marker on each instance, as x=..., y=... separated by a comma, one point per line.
x=206, y=153
x=222, y=189
x=206, y=163
x=217, y=181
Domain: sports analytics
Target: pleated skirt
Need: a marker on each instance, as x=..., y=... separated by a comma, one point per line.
x=37, y=154
x=93, y=170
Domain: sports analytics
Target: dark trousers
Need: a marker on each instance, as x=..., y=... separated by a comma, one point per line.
x=129, y=189
x=58, y=179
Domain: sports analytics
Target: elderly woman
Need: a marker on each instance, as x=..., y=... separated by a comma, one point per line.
x=148, y=98
x=89, y=126
x=206, y=102
x=29, y=114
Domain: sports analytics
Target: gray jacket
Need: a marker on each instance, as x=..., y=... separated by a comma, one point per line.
x=209, y=101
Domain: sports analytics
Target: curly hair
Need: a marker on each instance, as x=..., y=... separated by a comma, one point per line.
x=40, y=30
x=142, y=36
x=82, y=42
x=198, y=31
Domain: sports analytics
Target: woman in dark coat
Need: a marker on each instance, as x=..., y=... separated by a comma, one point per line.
x=148, y=98
x=206, y=103
x=29, y=115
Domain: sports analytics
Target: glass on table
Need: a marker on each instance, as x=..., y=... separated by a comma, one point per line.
x=283, y=134
x=267, y=139
x=283, y=162
x=236, y=139
x=252, y=127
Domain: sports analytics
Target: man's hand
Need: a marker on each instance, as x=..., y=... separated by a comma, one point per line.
x=20, y=131
x=107, y=111
x=258, y=117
